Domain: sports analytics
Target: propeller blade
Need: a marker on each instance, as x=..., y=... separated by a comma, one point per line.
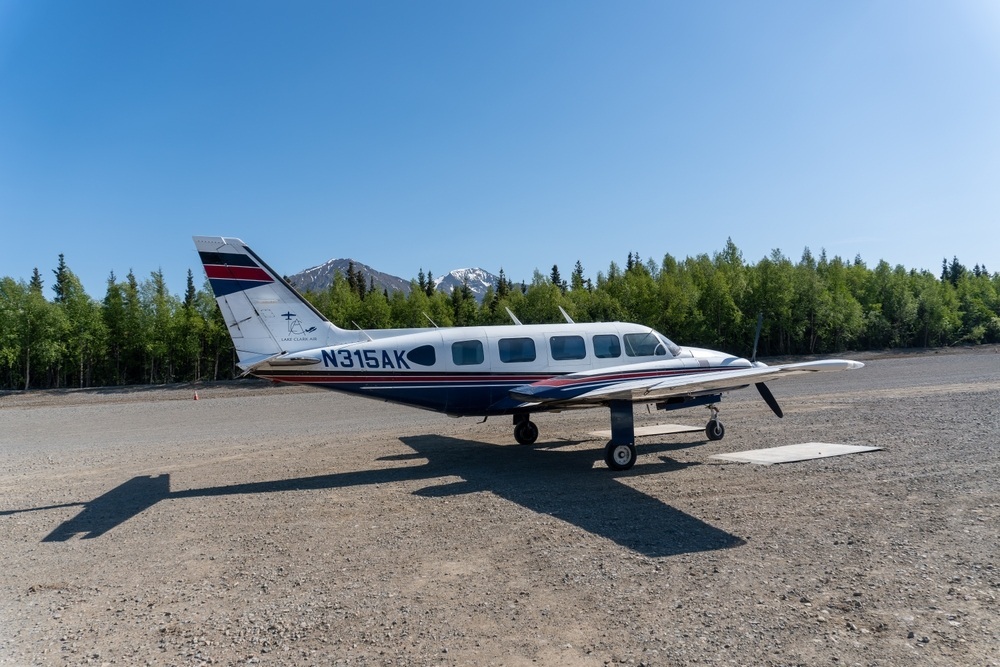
x=756, y=337
x=768, y=397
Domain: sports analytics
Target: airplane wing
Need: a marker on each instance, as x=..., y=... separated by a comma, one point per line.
x=608, y=384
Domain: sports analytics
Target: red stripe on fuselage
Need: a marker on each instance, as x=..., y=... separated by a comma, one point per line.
x=393, y=378
x=452, y=378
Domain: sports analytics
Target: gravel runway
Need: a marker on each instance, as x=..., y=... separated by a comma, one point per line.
x=269, y=525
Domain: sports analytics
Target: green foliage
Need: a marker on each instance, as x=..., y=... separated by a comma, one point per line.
x=85, y=333
x=31, y=335
x=140, y=333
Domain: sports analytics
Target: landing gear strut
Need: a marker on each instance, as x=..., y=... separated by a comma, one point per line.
x=620, y=453
x=525, y=430
x=714, y=429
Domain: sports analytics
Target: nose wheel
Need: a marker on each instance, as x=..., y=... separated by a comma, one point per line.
x=714, y=430
x=620, y=456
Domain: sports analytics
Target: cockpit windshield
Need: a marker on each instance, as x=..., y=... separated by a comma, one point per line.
x=649, y=344
x=673, y=349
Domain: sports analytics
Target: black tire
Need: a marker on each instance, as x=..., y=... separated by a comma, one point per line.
x=620, y=456
x=526, y=432
x=715, y=430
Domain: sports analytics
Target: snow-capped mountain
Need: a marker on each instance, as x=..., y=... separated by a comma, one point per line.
x=479, y=280
x=320, y=277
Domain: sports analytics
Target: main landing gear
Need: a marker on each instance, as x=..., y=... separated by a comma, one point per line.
x=525, y=430
x=620, y=453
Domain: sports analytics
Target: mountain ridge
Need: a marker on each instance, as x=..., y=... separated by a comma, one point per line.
x=320, y=277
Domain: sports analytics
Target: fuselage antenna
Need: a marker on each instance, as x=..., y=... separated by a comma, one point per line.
x=370, y=339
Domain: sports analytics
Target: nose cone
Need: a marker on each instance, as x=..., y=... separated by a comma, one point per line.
x=718, y=359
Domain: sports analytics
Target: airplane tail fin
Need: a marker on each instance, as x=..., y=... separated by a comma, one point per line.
x=265, y=316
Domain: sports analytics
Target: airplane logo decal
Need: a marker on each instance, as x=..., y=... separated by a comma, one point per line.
x=295, y=327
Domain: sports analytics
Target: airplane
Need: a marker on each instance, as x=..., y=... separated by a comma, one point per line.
x=511, y=370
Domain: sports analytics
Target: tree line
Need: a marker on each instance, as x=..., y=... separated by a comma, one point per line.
x=139, y=333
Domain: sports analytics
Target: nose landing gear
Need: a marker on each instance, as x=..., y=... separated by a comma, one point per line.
x=714, y=430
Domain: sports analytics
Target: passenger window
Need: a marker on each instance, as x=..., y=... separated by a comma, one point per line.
x=467, y=352
x=516, y=350
x=567, y=347
x=422, y=356
x=607, y=346
x=644, y=345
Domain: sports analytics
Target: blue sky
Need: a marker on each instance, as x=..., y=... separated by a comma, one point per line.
x=442, y=134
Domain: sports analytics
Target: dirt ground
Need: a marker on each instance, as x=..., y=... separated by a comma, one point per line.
x=271, y=525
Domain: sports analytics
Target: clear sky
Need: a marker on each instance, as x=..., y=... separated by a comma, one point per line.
x=520, y=134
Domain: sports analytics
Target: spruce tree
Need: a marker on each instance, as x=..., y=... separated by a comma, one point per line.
x=190, y=293
x=503, y=286
x=113, y=312
x=576, y=280
x=955, y=271
x=36, y=281
x=59, y=287
x=554, y=275
x=352, y=280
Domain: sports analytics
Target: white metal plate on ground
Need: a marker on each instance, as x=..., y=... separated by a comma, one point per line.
x=661, y=429
x=791, y=453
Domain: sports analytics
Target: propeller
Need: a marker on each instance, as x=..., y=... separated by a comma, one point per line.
x=768, y=397
x=762, y=389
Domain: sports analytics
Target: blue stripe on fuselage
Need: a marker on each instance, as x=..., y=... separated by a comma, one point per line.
x=479, y=395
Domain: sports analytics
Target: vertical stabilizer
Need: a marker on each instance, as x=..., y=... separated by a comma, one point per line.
x=264, y=315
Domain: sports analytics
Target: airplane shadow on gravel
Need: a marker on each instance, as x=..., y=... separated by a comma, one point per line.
x=544, y=479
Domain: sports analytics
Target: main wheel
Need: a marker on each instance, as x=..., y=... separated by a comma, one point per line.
x=526, y=432
x=714, y=429
x=620, y=456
